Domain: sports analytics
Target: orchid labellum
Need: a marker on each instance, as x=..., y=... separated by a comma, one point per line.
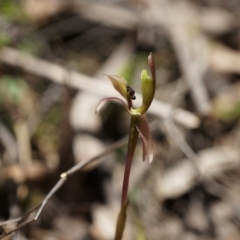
x=138, y=126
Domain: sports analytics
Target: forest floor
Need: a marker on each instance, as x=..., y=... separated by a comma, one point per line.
x=53, y=57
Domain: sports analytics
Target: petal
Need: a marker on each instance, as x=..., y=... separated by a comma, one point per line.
x=105, y=100
x=120, y=84
x=148, y=91
x=148, y=86
x=151, y=65
x=144, y=131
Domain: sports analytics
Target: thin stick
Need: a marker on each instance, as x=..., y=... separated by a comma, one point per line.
x=77, y=80
x=60, y=182
x=57, y=186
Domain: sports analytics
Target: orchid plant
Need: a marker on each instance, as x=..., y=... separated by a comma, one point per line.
x=138, y=126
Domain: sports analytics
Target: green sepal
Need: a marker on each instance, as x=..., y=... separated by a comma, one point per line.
x=119, y=83
x=148, y=89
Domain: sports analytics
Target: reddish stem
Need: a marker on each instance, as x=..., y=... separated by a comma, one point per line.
x=132, y=142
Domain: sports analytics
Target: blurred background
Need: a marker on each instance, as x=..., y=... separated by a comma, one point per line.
x=53, y=54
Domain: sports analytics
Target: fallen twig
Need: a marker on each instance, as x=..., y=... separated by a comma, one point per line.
x=35, y=213
x=180, y=178
x=77, y=80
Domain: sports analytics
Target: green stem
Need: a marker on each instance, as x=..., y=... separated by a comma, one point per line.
x=121, y=220
x=132, y=142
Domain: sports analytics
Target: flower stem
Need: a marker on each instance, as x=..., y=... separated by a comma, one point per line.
x=132, y=142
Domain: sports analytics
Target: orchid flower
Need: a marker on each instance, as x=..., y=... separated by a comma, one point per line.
x=138, y=126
